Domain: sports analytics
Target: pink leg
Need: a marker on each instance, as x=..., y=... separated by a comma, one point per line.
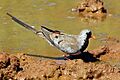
x=65, y=56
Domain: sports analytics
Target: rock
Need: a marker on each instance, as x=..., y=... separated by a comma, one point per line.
x=91, y=9
x=4, y=60
x=9, y=65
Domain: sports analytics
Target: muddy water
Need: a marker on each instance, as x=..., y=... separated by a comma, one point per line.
x=55, y=14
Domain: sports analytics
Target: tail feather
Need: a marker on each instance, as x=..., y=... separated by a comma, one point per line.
x=23, y=23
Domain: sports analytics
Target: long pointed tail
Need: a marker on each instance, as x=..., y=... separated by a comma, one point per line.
x=23, y=23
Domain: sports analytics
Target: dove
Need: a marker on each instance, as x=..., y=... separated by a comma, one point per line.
x=67, y=43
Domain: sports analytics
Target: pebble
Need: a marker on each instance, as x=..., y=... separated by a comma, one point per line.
x=73, y=9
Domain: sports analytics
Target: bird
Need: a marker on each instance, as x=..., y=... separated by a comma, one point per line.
x=68, y=43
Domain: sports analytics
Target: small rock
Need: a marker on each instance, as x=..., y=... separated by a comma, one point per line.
x=4, y=60
x=91, y=9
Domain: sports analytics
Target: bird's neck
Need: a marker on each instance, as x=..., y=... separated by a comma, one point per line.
x=83, y=37
x=83, y=41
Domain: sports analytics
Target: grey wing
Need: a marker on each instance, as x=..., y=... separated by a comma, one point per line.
x=69, y=45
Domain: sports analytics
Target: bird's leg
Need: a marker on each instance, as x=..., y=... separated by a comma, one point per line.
x=65, y=57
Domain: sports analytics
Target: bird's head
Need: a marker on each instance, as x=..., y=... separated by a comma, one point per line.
x=87, y=33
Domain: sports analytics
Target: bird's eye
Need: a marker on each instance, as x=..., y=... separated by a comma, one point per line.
x=56, y=36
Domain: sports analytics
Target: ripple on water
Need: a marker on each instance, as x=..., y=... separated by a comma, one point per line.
x=1, y=7
x=102, y=36
x=51, y=4
x=70, y=17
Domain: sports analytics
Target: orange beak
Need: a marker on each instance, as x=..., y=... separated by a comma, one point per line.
x=93, y=37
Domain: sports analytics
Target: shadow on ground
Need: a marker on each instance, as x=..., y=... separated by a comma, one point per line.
x=85, y=56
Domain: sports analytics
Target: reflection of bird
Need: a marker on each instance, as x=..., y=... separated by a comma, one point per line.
x=70, y=44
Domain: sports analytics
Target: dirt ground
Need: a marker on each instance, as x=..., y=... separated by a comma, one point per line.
x=102, y=63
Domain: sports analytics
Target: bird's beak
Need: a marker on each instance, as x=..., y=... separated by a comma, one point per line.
x=93, y=37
